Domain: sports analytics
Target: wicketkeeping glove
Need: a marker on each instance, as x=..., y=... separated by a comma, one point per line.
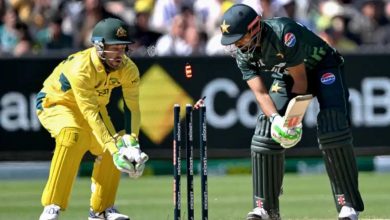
x=121, y=163
x=287, y=137
x=129, y=147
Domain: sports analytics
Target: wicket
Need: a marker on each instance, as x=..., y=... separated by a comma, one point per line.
x=177, y=142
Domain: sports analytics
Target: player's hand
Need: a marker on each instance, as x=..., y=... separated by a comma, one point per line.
x=129, y=147
x=122, y=164
x=140, y=166
x=297, y=133
x=287, y=137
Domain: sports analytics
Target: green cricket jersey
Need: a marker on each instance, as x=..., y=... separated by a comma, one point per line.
x=284, y=43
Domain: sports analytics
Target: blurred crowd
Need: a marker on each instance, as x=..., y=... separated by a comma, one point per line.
x=181, y=27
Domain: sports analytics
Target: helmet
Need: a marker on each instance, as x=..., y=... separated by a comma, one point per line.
x=237, y=21
x=111, y=31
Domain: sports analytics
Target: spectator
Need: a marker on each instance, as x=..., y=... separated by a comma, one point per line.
x=52, y=37
x=208, y=13
x=40, y=15
x=2, y=10
x=143, y=36
x=173, y=43
x=336, y=38
x=327, y=10
x=387, y=10
x=292, y=9
x=266, y=9
x=372, y=20
x=194, y=40
x=124, y=9
x=255, y=4
x=25, y=43
x=213, y=45
x=163, y=13
x=8, y=32
x=22, y=8
x=82, y=20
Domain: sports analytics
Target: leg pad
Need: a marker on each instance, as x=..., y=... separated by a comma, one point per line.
x=335, y=138
x=267, y=168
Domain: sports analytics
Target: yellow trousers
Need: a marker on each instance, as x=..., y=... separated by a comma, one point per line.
x=73, y=138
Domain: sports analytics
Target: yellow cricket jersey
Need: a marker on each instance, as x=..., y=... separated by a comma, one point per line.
x=80, y=82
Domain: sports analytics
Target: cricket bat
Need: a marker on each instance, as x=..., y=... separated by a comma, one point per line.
x=296, y=110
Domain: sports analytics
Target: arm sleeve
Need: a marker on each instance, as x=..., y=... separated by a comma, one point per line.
x=248, y=70
x=130, y=89
x=85, y=96
x=292, y=39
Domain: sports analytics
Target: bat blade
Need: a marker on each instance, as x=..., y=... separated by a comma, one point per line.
x=296, y=110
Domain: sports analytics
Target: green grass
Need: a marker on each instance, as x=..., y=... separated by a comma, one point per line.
x=150, y=198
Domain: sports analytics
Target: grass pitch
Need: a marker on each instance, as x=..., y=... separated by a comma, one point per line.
x=150, y=198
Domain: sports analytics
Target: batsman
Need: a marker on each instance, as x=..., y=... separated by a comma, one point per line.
x=298, y=62
x=72, y=107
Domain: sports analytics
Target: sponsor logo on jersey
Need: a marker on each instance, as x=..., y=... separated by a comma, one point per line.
x=289, y=39
x=328, y=78
x=114, y=81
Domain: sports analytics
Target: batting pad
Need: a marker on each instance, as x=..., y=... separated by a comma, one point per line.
x=335, y=138
x=64, y=166
x=267, y=167
x=105, y=181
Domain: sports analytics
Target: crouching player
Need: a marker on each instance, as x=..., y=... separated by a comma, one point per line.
x=71, y=106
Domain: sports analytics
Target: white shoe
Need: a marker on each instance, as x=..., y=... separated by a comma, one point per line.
x=50, y=212
x=257, y=214
x=108, y=214
x=348, y=213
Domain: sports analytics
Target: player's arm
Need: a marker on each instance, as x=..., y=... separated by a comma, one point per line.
x=259, y=89
x=130, y=81
x=86, y=99
x=123, y=155
x=130, y=90
x=298, y=73
x=295, y=55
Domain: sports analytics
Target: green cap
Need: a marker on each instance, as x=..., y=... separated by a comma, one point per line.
x=111, y=31
x=235, y=22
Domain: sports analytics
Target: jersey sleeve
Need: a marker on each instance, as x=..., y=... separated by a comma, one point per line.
x=86, y=99
x=292, y=39
x=130, y=89
x=247, y=69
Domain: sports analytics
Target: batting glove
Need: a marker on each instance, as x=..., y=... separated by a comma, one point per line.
x=286, y=137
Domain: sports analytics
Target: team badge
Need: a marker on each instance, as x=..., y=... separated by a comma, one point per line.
x=121, y=32
x=328, y=78
x=114, y=81
x=275, y=87
x=340, y=199
x=224, y=27
x=259, y=202
x=289, y=39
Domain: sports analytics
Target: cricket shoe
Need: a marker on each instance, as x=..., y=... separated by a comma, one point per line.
x=348, y=213
x=108, y=214
x=50, y=212
x=257, y=214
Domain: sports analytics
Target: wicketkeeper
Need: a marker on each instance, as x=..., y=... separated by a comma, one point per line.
x=299, y=63
x=72, y=107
